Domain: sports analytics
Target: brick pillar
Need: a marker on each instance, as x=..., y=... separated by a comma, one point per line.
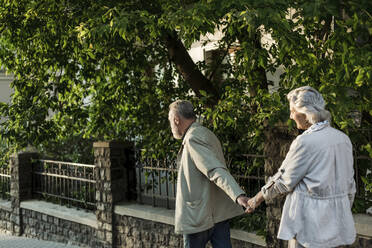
x=115, y=182
x=20, y=186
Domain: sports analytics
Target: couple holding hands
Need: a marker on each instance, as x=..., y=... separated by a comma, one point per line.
x=317, y=177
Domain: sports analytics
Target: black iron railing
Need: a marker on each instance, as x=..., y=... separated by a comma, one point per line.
x=65, y=183
x=5, y=183
x=156, y=182
x=248, y=171
x=156, y=179
x=363, y=169
x=360, y=138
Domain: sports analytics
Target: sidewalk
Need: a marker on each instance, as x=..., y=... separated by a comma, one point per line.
x=9, y=241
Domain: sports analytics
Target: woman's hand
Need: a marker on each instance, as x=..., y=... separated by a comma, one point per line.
x=251, y=206
x=254, y=202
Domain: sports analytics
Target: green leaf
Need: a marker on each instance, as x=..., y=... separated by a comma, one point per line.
x=359, y=79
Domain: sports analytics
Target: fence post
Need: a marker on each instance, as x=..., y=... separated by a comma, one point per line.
x=20, y=186
x=115, y=182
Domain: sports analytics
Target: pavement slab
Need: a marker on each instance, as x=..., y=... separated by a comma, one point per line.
x=9, y=241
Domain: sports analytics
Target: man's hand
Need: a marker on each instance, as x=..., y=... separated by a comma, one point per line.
x=242, y=200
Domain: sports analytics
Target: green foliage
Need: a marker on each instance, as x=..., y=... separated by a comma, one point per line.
x=364, y=200
x=69, y=149
x=103, y=71
x=252, y=223
x=368, y=184
x=5, y=154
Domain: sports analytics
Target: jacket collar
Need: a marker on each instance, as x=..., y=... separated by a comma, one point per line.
x=317, y=126
x=193, y=125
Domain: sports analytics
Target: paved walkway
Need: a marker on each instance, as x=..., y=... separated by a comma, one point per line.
x=8, y=241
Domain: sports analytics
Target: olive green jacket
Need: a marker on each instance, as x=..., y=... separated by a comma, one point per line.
x=206, y=191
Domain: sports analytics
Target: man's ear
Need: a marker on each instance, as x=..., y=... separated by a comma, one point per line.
x=176, y=120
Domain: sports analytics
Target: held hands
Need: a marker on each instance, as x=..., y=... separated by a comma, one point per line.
x=254, y=202
x=250, y=204
x=242, y=200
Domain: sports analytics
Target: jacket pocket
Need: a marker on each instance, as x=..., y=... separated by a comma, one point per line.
x=196, y=214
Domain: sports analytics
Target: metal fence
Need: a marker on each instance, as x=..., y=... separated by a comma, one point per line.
x=362, y=162
x=156, y=179
x=73, y=184
x=5, y=183
x=363, y=169
x=65, y=183
x=248, y=171
x=156, y=182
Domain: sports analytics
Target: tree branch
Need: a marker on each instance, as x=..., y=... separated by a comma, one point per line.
x=187, y=68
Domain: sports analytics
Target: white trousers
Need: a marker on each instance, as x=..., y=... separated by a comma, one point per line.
x=294, y=244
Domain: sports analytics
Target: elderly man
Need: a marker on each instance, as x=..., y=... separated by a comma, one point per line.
x=207, y=195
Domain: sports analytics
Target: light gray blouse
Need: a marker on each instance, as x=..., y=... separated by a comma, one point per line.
x=318, y=177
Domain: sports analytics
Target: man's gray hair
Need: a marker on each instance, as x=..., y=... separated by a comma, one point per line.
x=310, y=102
x=183, y=108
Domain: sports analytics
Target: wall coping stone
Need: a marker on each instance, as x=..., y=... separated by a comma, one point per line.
x=62, y=212
x=146, y=212
x=6, y=205
x=363, y=224
x=166, y=216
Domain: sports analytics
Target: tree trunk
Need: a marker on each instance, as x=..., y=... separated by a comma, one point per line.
x=187, y=68
x=278, y=140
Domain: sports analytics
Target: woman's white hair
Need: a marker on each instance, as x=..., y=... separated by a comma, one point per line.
x=310, y=102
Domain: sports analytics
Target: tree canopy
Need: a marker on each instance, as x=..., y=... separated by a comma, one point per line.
x=109, y=69
x=100, y=70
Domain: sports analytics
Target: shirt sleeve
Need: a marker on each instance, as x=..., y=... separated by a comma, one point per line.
x=293, y=169
x=214, y=169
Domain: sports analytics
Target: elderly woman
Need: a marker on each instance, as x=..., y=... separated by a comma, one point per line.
x=317, y=176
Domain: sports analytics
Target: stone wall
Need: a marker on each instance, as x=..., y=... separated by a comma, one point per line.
x=135, y=232
x=140, y=233
x=361, y=242
x=46, y=227
x=5, y=223
x=130, y=231
x=241, y=244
